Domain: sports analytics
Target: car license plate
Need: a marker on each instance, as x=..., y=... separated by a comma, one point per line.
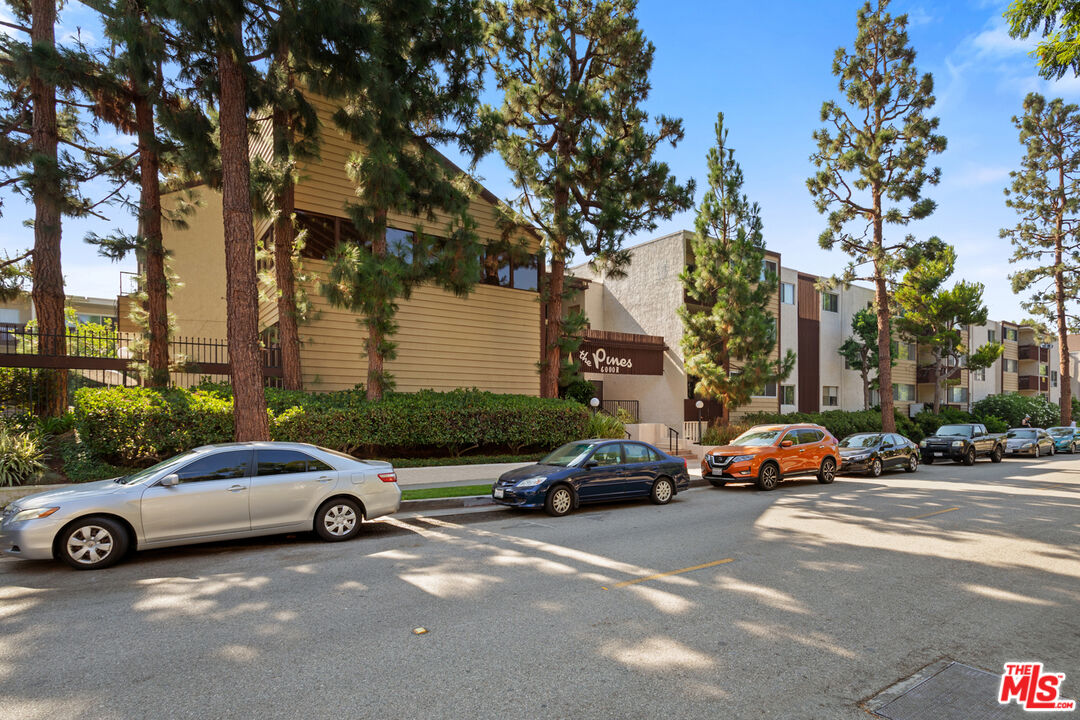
x=499, y=492
x=939, y=454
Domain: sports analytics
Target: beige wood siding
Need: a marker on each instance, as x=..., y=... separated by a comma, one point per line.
x=489, y=340
x=1010, y=381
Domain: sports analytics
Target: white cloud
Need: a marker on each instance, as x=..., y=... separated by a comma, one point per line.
x=979, y=175
x=996, y=42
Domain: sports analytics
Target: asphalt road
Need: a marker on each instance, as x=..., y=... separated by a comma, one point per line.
x=811, y=599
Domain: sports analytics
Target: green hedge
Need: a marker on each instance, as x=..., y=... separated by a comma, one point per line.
x=139, y=425
x=1012, y=408
x=840, y=423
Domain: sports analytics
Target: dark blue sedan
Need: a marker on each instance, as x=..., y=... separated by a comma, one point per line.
x=591, y=471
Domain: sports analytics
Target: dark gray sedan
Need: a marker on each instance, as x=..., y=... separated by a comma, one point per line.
x=1029, y=441
x=216, y=492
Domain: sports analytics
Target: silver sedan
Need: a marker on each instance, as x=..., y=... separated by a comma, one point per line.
x=216, y=492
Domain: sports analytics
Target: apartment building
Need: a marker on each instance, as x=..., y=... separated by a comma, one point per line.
x=642, y=307
x=489, y=339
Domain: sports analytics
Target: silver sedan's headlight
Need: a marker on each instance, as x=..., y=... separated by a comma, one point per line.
x=1027, y=446
x=33, y=514
x=531, y=482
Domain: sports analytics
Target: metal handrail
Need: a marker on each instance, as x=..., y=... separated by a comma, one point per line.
x=672, y=431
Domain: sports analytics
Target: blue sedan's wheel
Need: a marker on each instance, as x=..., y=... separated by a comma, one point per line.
x=559, y=501
x=662, y=491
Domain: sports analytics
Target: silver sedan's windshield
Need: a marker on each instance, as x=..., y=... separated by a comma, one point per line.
x=1022, y=434
x=147, y=472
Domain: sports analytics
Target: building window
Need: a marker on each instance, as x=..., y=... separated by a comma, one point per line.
x=830, y=395
x=979, y=374
x=787, y=293
x=875, y=397
x=769, y=391
x=903, y=393
x=1010, y=365
x=1010, y=334
x=787, y=394
x=1053, y=378
x=905, y=351
x=991, y=336
x=958, y=394
x=400, y=243
x=1044, y=369
x=768, y=267
x=830, y=302
x=527, y=273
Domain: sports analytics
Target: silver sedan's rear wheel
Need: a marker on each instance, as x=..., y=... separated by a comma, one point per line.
x=338, y=520
x=93, y=543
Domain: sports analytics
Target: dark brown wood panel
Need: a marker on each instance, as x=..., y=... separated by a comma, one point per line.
x=809, y=345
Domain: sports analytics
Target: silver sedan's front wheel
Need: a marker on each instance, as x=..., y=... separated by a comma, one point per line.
x=93, y=543
x=338, y=520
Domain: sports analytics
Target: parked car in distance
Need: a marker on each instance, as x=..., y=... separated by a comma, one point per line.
x=1029, y=441
x=767, y=454
x=214, y=492
x=963, y=442
x=592, y=471
x=873, y=453
x=1066, y=439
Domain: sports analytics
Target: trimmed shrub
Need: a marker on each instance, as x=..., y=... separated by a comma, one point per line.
x=722, y=434
x=22, y=456
x=602, y=425
x=139, y=425
x=1012, y=408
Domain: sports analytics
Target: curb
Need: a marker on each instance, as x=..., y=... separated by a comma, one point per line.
x=476, y=501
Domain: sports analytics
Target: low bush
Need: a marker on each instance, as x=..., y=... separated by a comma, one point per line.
x=722, y=434
x=140, y=425
x=602, y=425
x=1012, y=408
x=22, y=456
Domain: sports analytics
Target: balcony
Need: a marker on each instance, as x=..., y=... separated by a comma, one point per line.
x=1033, y=382
x=1034, y=352
x=925, y=374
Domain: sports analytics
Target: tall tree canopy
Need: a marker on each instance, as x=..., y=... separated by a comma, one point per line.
x=571, y=128
x=1045, y=193
x=939, y=318
x=422, y=89
x=1058, y=21
x=729, y=343
x=871, y=158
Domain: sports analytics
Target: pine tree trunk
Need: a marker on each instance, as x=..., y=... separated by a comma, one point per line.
x=549, y=376
x=241, y=281
x=376, y=362
x=48, y=278
x=284, y=238
x=1064, y=378
x=939, y=375
x=881, y=298
x=157, y=313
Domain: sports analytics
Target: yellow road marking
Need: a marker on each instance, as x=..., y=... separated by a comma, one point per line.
x=624, y=583
x=936, y=512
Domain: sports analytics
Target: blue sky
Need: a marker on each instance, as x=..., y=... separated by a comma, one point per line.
x=767, y=67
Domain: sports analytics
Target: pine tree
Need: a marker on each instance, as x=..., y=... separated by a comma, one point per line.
x=936, y=317
x=729, y=344
x=872, y=157
x=1059, y=23
x=860, y=351
x=45, y=153
x=421, y=90
x=1045, y=192
x=575, y=74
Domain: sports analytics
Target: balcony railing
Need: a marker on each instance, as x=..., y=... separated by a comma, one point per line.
x=1034, y=352
x=1033, y=382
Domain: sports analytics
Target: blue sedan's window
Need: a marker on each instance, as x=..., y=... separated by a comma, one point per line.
x=635, y=453
x=607, y=455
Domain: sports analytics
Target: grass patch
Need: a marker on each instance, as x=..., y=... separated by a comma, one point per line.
x=445, y=492
x=464, y=460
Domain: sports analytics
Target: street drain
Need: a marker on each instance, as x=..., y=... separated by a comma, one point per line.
x=944, y=691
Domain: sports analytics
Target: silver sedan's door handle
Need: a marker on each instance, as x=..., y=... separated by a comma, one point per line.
x=325, y=479
x=237, y=488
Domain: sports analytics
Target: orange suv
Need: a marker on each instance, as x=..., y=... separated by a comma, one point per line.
x=766, y=454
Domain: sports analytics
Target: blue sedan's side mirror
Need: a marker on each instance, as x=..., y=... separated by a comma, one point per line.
x=590, y=465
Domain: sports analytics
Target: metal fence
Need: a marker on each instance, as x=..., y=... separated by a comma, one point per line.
x=612, y=407
x=110, y=358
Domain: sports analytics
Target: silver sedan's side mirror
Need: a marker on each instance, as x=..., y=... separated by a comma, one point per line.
x=169, y=480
